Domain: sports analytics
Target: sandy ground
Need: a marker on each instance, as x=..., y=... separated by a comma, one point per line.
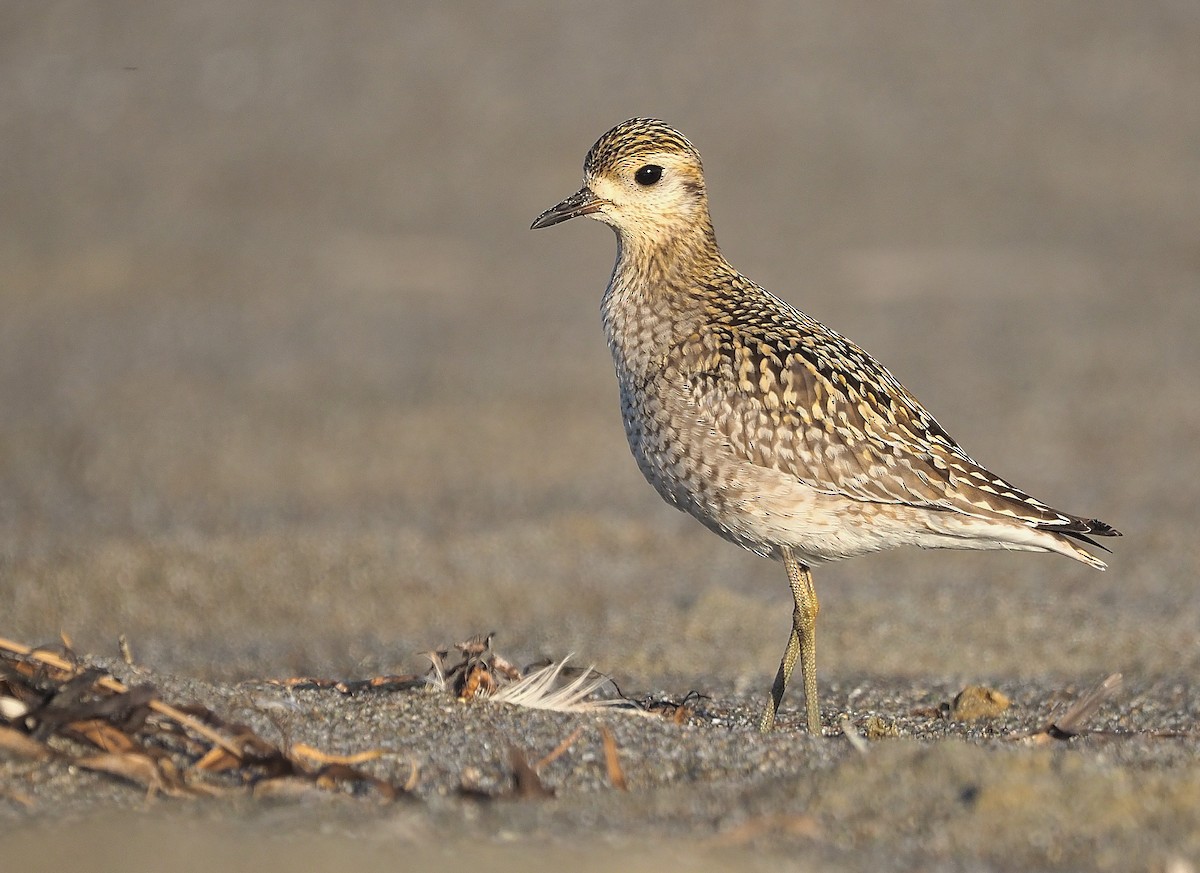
x=288, y=387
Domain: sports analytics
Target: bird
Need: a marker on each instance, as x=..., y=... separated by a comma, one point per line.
x=770, y=428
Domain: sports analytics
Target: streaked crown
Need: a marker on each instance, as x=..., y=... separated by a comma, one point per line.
x=634, y=138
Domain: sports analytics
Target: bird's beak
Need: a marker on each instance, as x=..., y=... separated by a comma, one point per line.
x=582, y=202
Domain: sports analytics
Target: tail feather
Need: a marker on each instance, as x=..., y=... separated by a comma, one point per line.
x=1074, y=526
x=1079, y=529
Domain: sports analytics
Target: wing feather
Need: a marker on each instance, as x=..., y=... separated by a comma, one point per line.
x=788, y=393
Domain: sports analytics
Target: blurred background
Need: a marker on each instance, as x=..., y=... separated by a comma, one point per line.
x=287, y=384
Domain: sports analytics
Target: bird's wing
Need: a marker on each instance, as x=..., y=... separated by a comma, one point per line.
x=785, y=392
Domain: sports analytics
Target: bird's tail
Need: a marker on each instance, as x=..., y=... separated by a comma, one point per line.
x=1082, y=529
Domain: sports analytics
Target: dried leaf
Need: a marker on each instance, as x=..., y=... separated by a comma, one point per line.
x=217, y=760
x=286, y=788
x=612, y=760
x=137, y=768
x=414, y=777
x=334, y=775
x=307, y=752
x=559, y=750
x=104, y=736
x=18, y=743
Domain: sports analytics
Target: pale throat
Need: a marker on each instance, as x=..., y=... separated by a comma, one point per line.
x=653, y=298
x=665, y=256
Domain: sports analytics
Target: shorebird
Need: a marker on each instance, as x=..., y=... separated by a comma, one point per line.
x=770, y=428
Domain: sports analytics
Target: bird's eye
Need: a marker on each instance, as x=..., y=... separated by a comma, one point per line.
x=648, y=174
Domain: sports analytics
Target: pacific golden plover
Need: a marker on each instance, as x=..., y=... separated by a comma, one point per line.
x=771, y=429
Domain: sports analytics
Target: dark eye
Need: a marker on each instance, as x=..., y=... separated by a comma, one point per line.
x=648, y=174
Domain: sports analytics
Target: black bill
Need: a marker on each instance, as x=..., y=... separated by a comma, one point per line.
x=582, y=202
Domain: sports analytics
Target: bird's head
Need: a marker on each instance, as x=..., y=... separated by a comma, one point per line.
x=645, y=180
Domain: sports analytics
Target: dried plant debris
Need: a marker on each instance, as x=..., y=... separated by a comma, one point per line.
x=473, y=670
x=1068, y=723
x=527, y=784
x=612, y=760
x=541, y=689
x=479, y=671
x=482, y=674
x=977, y=702
x=677, y=711
x=854, y=737
x=57, y=709
x=407, y=682
x=525, y=779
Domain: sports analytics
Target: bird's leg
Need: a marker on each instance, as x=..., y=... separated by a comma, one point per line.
x=767, y=723
x=806, y=604
x=802, y=644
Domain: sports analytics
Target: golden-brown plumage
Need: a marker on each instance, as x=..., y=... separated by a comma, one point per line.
x=770, y=428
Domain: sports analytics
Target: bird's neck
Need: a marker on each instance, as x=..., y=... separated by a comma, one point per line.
x=656, y=293
x=666, y=264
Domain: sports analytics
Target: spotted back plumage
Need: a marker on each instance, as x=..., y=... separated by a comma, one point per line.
x=789, y=393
